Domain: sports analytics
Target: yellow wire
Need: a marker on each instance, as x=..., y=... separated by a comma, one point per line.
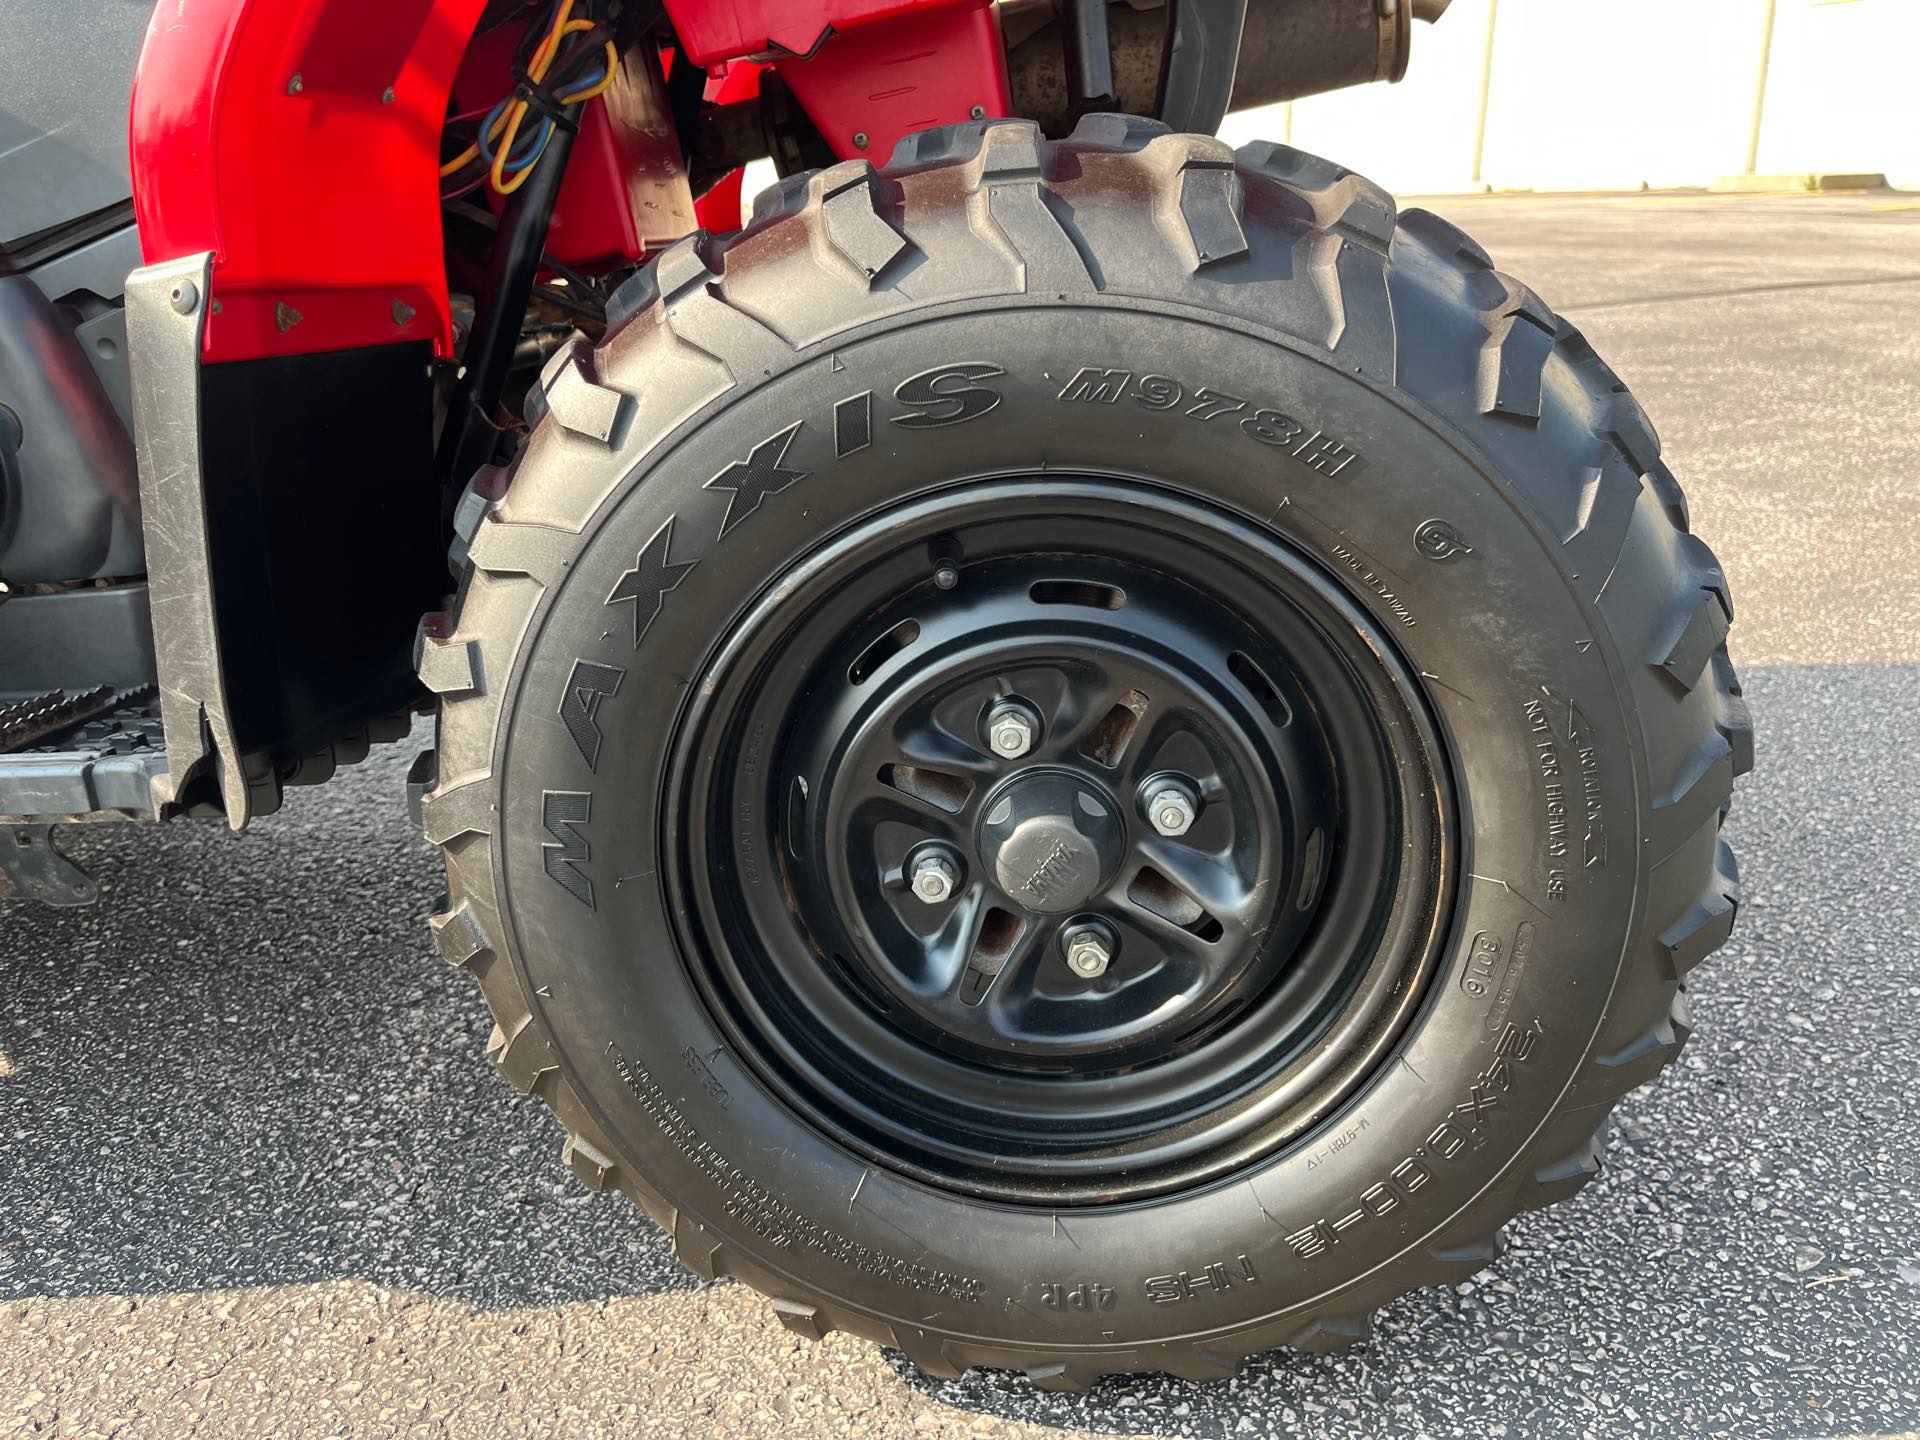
x=516, y=112
x=507, y=186
x=601, y=86
x=537, y=70
x=508, y=122
x=472, y=151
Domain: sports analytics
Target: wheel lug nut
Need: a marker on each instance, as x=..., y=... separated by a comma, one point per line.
x=1088, y=954
x=1010, y=731
x=1171, y=809
x=934, y=878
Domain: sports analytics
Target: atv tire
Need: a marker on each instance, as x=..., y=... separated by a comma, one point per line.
x=1249, y=354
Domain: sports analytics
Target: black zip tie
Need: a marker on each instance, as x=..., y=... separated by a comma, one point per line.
x=547, y=101
x=551, y=106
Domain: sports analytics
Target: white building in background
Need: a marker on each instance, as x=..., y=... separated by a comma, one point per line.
x=1617, y=94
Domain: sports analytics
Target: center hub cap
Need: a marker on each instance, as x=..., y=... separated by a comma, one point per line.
x=1053, y=840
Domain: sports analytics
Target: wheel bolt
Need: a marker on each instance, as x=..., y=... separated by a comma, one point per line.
x=934, y=878
x=1010, y=731
x=1088, y=954
x=1171, y=810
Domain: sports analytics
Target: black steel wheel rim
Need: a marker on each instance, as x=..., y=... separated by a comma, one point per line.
x=855, y=728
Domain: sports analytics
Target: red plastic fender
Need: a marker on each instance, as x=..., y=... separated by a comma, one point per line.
x=718, y=211
x=299, y=141
x=866, y=87
x=717, y=30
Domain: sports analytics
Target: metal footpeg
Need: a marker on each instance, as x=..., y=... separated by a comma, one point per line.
x=26, y=722
x=83, y=756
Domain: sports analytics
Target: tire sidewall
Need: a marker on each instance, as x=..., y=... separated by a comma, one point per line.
x=1524, y=688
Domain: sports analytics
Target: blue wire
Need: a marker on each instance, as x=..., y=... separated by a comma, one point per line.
x=539, y=149
x=585, y=82
x=533, y=145
x=481, y=142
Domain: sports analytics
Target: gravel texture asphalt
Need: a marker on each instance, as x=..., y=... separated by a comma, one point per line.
x=256, y=1178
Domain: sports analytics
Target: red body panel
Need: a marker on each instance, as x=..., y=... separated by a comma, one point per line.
x=299, y=141
x=719, y=208
x=319, y=200
x=716, y=30
x=884, y=81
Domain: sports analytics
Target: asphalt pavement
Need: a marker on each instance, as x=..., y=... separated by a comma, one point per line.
x=256, y=1177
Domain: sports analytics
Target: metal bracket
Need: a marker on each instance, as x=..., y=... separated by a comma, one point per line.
x=1203, y=50
x=32, y=868
x=1089, y=57
x=167, y=308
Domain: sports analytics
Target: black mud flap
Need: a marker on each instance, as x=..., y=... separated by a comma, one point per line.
x=294, y=540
